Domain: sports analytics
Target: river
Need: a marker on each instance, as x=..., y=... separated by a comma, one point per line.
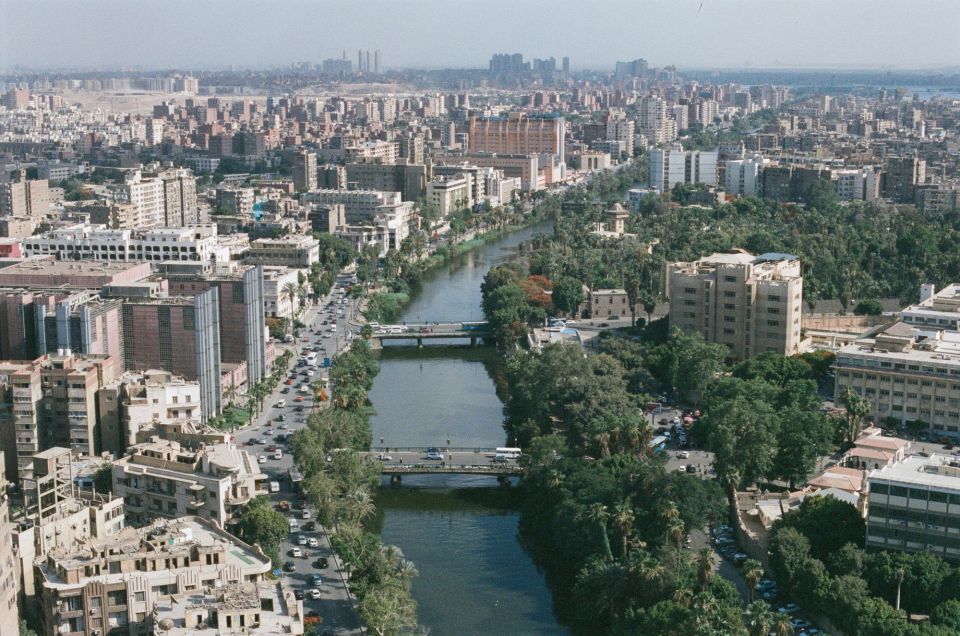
x=475, y=577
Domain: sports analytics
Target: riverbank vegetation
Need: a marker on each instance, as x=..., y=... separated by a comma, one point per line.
x=340, y=483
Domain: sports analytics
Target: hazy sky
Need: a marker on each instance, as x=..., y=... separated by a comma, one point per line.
x=458, y=33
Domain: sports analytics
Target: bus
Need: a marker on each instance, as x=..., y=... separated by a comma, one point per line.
x=508, y=452
x=657, y=444
x=312, y=359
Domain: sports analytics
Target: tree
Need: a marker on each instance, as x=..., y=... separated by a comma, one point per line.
x=103, y=479
x=869, y=307
x=567, y=295
x=704, y=565
x=260, y=523
x=857, y=409
x=827, y=523
x=598, y=515
x=752, y=573
x=366, y=332
x=759, y=618
x=947, y=614
x=389, y=609
x=291, y=292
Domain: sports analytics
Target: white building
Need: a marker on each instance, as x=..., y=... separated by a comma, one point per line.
x=297, y=251
x=673, y=166
x=146, y=194
x=742, y=176
x=360, y=205
x=914, y=505
x=164, y=479
x=861, y=184
x=262, y=608
x=451, y=193
x=96, y=242
x=275, y=302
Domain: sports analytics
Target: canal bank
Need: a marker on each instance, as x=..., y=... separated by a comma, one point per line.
x=461, y=532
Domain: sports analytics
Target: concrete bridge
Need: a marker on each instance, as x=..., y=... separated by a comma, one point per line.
x=456, y=461
x=474, y=331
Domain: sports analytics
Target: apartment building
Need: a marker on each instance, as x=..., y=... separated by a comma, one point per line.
x=901, y=176
x=742, y=176
x=276, y=304
x=409, y=179
x=653, y=120
x=95, y=242
x=163, y=478
x=186, y=340
x=113, y=584
x=26, y=198
x=621, y=129
x=914, y=506
x=9, y=581
x=146, y=194
x=304, y=170
x=451, y=193
x=180, y=208
x=751, y=304
x=673, y=166
x=137, y=402
x=235, y=201
x=242, y=325
x=297, y=251
x=260, y=608
x=58, y=514
x=361, y=206
x=860, y=184
x=519, y=133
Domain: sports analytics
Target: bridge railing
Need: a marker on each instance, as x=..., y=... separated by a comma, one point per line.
x=480, y=468
x=423, y=449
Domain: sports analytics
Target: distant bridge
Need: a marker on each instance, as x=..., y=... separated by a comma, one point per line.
x=456, y=461
x=474, y=331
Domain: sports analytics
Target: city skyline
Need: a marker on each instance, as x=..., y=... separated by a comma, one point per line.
x=688, y=34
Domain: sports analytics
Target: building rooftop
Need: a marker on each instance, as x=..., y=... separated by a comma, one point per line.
x=278, y=612
x=938, y=471
x=161, y=540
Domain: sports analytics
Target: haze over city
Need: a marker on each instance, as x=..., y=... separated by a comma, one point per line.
x=445, y=33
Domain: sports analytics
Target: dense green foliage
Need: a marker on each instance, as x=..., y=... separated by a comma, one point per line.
x=340, y=484
x=815, y=555
x=259, y=523
x=610, y=527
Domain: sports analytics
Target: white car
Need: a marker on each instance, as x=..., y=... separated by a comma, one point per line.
x=314, y=594
x=313, y=543
x=296, y=552
x=301, y=540
x=683, y=455
x=305, y=514
x=261, y=459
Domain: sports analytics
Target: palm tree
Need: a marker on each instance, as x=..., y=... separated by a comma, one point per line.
x=676, y=530
x=683, y=596
x=598, y=514
x=362, y=505
x=231, y=393
x=704, y=567
x=623, y=522
x=291, y=292
x=759, y=618
x=752, y=572
x=782, y=626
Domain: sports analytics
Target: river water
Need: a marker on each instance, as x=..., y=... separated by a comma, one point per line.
x=475, y=577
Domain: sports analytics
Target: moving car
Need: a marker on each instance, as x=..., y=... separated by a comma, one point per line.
x=296, y=552
x=316, y=581
x=434, y=456
x=313, y=543
x=314, y=594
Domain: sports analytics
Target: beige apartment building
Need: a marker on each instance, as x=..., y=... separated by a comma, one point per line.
x=910, y=372
x=114, y=584
x=163, y=478
x=751, y=304
x=9, y=584
x=295, y=251
x=241, y=608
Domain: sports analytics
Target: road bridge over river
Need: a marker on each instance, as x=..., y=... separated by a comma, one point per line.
x=421, y=331
x=456, y=461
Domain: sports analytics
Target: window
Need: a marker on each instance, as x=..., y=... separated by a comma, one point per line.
x=139, y=597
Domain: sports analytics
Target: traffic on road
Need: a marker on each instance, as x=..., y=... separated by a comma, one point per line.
x=308, y=565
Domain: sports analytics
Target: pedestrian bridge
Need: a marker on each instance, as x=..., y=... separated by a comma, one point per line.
x=421, y=331
x=456, y=461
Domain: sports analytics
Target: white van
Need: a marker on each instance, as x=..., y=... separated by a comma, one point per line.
x=278, y=454
x=274, y=486
x=281, y=404
x=294, y=524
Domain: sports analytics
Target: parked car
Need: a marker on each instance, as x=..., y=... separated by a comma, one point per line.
x=316, y=580
x=315, y=594
x=289, y=566
x=313, y=543
x=310, y=526
x=296, y=552
x=298, y=594
x=301, y=540
x=322, y=563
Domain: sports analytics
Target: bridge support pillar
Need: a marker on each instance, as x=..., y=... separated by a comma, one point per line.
x=420, y=343
x=394, y=479
x=473, y=341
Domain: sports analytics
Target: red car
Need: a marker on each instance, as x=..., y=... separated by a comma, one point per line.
x=288, y=381
x=299, y=398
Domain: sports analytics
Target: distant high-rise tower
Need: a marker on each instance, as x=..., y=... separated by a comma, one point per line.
x=376, y=61
x=566, y=64
x=367, y=67
x=360, y=60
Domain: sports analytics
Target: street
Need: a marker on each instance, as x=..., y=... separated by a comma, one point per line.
x=334, y=606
